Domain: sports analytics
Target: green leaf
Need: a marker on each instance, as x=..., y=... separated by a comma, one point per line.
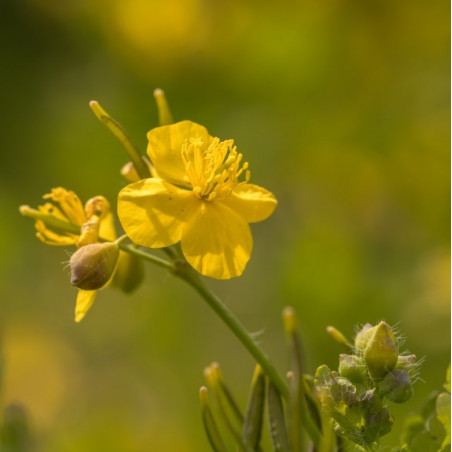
x=443, y=411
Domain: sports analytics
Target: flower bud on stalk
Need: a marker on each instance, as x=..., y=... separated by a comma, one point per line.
x=381, y=352
x=93, y=265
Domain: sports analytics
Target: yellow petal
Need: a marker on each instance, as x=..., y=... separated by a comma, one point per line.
x=251, y=202
x=216, y=241
x=164, y=149
x=85, y=299
x=153, y=212
x=69, y=203
x=50, y=237
x=107, y=227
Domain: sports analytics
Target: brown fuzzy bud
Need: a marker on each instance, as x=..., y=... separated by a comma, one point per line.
x=93, y=265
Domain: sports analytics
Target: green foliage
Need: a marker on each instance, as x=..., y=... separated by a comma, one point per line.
x=349, y=408
x=429, y=431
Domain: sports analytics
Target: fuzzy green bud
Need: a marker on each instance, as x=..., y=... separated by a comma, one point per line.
x=352, y=367
x=381, y=352
x=93, y=265
x=405, y=362
x=397, y=386
x=362, y=337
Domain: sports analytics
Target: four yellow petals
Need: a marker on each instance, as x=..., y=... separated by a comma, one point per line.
x=197, y=199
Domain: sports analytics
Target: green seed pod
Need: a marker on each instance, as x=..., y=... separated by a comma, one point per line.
x=397, y=386
x=353, y=368
x=381, y=352
x=93, y=265
x=252, y=424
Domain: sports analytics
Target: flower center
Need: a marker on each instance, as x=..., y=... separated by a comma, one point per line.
x=213, y=172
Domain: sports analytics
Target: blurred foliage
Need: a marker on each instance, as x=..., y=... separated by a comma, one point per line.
x=342, y=109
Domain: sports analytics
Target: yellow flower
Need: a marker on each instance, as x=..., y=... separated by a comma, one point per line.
x=94, y=220
x=196, y=199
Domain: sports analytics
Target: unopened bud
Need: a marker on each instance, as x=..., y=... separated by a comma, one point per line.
x=353, y=368
x=405, y=361
x=363, y=336
x=397, y=386
x=93, y=265
x=338, y=336
x=381, y=353
x=129, y=272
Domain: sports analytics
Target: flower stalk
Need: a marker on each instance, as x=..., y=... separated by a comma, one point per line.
x=116, y=129
x=185, y=272
x=180, y=268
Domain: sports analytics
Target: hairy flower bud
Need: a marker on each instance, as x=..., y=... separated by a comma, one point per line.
x=352, y=368
x=397, y=386
x=381, y=352
x=363, y=336
x=406, y=362
x=93, y=265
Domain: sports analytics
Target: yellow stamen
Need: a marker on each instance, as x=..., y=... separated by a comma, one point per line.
x=213, y=172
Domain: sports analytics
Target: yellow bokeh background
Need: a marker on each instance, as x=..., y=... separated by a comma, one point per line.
x=342, y=109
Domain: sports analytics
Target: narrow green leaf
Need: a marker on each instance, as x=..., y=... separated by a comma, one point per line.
x=276, y=418
x=252, y=425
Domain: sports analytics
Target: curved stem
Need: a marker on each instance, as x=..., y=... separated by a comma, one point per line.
x=186, y=273
x=146, y=256
x=180, y=268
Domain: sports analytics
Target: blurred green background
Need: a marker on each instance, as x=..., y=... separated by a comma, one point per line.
x=341, y=108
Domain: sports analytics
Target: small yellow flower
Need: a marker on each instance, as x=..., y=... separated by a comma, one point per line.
x=94, y=220
x=199, y=198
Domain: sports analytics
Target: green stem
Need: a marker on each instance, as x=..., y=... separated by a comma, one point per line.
x=146, y=256
x=181, y=269
x=191, y=277
x=117, y=130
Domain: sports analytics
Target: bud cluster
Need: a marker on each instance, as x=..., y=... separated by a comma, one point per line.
x=368, y=378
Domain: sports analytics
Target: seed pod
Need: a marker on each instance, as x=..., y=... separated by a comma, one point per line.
x=93, y=265
x=252, y=425
x=397, y=386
